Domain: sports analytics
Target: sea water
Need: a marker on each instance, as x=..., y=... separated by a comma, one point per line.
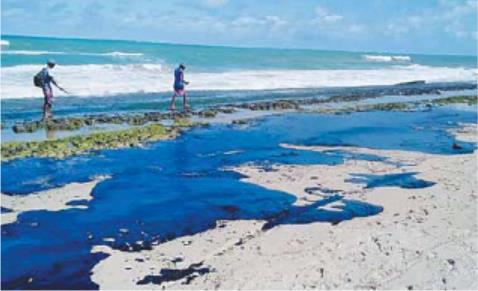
x=107, y=67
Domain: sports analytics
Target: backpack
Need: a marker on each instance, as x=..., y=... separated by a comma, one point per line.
x=38, y=79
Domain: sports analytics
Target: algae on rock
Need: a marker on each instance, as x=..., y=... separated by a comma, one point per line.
x=60, y=148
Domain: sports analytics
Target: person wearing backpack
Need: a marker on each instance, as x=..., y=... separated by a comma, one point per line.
x=44, y=79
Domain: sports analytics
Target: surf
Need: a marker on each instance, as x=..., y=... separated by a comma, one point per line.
x=387, y=58
x=113, y=79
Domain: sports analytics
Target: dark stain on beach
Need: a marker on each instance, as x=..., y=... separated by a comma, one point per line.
x=321, y=191
x=402, y=180
x=6, y=210
x=345, y=210
x=157, y=206
x=79, y=202
x=169, y=275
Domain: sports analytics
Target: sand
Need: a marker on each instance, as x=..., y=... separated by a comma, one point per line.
x=51, y=200
x=425, y=238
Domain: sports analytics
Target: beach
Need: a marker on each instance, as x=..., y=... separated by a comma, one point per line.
x=357, y=217
x=424, y=238
x=366, y=182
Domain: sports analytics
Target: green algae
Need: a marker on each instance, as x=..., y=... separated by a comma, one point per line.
x=182, y=122
x=208, y=113
x=60, y=148
x=470, y=100
x=401, y=106
x=393, y=106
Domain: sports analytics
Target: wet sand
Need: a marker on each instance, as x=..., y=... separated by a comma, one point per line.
x=425, y=238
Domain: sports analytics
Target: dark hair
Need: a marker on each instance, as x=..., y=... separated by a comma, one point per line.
x=50, y=63
x=182, y=66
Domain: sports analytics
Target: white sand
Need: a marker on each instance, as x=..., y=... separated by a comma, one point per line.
x=122, y=270
x=465, y=132
x=51, y=200
x=424, y=239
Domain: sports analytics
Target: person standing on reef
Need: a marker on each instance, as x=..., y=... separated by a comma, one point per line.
x=44, y=79
x=179, y=89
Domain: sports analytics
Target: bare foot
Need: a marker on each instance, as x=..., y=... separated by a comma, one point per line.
x=47, y=117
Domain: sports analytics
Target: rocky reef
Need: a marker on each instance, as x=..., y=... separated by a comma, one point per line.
x=470, y=100
x=354, y=94
x=148, y=129
x=60, y=148
x=137, y=119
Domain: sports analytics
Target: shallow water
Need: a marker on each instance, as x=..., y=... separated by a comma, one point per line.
x=14, y=110
x=172, y=188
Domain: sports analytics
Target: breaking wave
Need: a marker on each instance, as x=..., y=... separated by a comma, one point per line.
x=385, y=58
x=111, y=79
x=35, y=53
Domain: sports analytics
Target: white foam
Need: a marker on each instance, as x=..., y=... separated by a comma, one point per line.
x=122, y=54
x=98, y=80
x=34, y=53
x=385, y=58
x=402, y=58
x=4, y=42
x=30, y=53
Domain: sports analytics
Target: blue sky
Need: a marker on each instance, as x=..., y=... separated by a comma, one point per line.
x=425, y=26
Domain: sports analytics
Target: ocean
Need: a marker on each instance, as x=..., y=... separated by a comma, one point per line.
x=96, y=68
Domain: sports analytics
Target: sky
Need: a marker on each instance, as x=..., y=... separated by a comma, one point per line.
x=425, y=26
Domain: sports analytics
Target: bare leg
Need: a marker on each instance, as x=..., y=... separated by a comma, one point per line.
x=47, y=101
x=46, y=111
x=50, y=115
x=173, y=103
x=185, y=102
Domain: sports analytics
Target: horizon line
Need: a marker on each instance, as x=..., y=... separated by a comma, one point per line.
x=228, y=46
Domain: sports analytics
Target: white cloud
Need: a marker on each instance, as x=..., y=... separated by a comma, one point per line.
x=356, y=28
x=324, y=16
x=333, y=24
x=275, y=22
x=215, y=3
x=247, y=21
x=270, y=21
x=449, y=16
x=394, y=29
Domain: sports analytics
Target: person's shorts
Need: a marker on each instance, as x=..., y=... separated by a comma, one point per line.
x=47, y=95
x=179, y=90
